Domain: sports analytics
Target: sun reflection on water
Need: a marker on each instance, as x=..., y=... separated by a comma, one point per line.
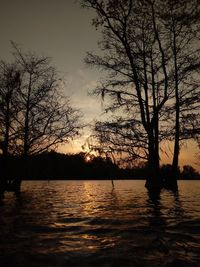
x=94, y=221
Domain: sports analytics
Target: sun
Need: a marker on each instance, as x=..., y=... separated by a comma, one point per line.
x=88, y=158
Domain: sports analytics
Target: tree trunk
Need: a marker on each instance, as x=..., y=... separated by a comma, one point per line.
x=175, y=169
x=3, y=180
x=5, y=143
x=153, y=182
x=172, y=184
x=172, y=181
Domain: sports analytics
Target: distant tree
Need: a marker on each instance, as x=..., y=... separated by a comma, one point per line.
x=189, y=173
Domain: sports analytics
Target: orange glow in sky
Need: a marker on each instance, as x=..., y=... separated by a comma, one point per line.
x=63, y=31
x=88, y=158
x=189, y=154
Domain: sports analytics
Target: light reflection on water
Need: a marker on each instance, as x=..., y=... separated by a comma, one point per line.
x=88, y=223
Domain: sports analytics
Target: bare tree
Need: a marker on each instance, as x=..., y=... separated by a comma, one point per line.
x=45, y=117
x=181, y=21
x=136, y=59
x=9, y=85
x=143, y=76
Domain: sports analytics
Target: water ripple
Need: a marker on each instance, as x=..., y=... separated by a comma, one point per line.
x=88, y=223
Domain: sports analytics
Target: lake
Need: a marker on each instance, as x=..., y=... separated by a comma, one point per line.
x=92, y=223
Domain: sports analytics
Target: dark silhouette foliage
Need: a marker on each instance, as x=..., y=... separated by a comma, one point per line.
x=57, y=166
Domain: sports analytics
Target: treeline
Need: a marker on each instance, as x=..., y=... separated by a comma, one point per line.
x=57, y=166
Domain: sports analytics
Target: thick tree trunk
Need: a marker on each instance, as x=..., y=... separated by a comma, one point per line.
x=154, y=181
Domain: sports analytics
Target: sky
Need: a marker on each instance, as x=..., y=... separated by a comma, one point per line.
x=62, y=30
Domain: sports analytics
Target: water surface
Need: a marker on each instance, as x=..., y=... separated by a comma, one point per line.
x=90, y=223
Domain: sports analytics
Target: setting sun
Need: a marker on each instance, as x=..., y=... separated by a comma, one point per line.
x=88, y=158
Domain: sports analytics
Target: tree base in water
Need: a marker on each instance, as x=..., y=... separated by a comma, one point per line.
x=169, y=184
x=10, y=185
x=153, y=185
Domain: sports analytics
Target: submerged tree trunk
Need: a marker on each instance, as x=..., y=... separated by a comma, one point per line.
x=3, y=175
x=153, y=181
x=8, y=182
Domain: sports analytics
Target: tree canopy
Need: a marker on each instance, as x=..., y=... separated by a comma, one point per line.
x=151, y=56
x=35, y=114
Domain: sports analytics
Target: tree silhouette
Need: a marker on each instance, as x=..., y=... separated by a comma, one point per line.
x=9, y=85
x=44, y=117
x=141, y=86
x=181, y=20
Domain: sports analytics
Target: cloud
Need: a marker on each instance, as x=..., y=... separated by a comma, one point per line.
x=77, y=86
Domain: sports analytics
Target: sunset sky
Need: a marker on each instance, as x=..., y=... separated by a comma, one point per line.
x=61, y=29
